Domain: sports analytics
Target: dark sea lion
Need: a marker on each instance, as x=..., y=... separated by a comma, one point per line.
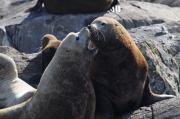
x=74, y=6
x=13, y=90
x=119, y=70
x=65, y=91
x=49, y=46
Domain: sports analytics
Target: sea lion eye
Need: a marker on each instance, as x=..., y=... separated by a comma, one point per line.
x=77, y=38
x=103, y=23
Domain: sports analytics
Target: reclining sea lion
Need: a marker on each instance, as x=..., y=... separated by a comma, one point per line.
x=13, y=90
x=74, y=6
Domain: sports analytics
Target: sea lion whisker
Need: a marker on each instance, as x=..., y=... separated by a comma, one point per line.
x=98, y=36
x=103, y=36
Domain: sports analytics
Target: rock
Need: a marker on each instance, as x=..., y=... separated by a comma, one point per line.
x=167, y=109
x=28, y=65
x=13, y=8
x=160, y=44
x=135, y=14
x=172, y=3
x=3, y=37
x=26, y=37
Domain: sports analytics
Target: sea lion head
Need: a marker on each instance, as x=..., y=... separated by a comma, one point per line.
x=7, y=67
x=49, y=41
x=108, y=34
x=78, y=42
x=49, y=46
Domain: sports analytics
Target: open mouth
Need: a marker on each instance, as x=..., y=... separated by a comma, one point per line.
x=96, y=35
x=91, y=46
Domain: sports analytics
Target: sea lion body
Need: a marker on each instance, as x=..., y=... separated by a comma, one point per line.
x=12, y=89
x=49, y=46
x=119, y=70
x=75, y=6
x=64, y=91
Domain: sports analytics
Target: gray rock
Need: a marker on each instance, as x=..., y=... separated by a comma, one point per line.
x=134, y=14
x=3, y=37
x=167, y=109
x=160, y=52
x=172, y=3
x=26, y=37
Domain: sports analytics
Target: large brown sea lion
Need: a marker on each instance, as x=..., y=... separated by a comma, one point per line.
x=65, y=91
x=12, y=89
x=119, y=70
x=49, y=46
x=74, y=6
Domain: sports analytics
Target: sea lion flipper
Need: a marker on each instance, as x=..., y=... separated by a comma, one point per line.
x=13, y=112
x=149, y=97
x=102, y=112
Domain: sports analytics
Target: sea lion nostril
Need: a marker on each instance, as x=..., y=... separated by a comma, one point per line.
x=89, y=26
x=77, y=38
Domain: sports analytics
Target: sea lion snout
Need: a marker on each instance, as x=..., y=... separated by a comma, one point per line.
x=84, y=37
x=92, y=26
x=84, y=31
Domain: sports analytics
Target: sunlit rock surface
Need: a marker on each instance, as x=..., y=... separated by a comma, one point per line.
x=172, y=3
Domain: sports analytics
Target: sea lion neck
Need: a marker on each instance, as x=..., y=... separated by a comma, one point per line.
x=66, y=75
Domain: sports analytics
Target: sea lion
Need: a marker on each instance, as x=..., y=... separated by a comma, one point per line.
x=74, y=6
x=49, y=46
x=12, y=89
x=65, y=91
x=119, y=70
